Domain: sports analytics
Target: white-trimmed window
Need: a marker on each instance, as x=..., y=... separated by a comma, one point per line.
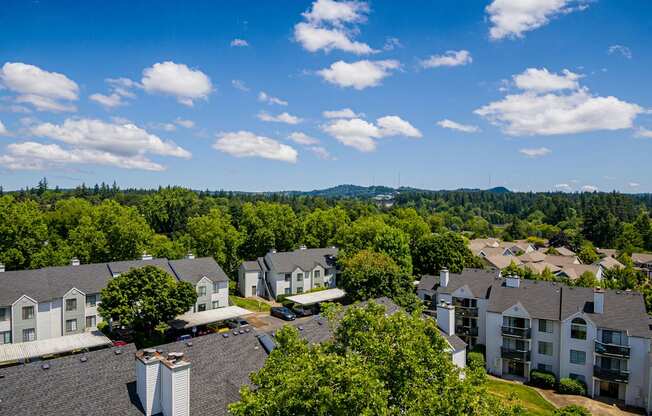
x=5, y=337
x=299, y=277
x=71, y=305
x=29, y=334
x=545, y=326
x=317, y=274
x=71, y=325
x=216, y=287
x=578, y=328
x=4, y=314
x=91, y=300
x=201, y=291
x=28, y=312
x=577, y=357
x=91, y=321
x=216, y=304
x=545, y=348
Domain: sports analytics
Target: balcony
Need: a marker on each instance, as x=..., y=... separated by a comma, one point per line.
x=619, y=376
x=611, y=349
x=510, y=331
x=468, y=331
x=517, y=355
x=466, y=312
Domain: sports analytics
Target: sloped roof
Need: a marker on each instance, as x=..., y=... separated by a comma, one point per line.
x=563, y=251
x=574, y=271
x=251, y=266
x=193, y=270
x=304, y=259
x=478, y=281
x=541, y=299
x=561, y=260
x=642, y=258
x=610, y=262
x=541, y=266
x=119, y=267
x=493, y=251
x=428, y=282
x=501, y=262
x=532, y=257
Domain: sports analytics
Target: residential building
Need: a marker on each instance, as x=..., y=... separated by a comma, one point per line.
x=643, y=261
x=288, y=273
x=52, y=302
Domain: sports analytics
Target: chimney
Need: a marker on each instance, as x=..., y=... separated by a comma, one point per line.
x=190, y=256
x=302, y=247
x=146, y=256
x=446, y=317
x=272, y=250
x=2, y=267
x=598, y=300
x=444, y=278
x=148, y=381
x=175, y=385
x=74, y=261
x=513, y=281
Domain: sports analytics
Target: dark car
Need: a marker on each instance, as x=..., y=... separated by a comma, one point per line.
x=283, y=313
x=237, y=323
x=301, y=312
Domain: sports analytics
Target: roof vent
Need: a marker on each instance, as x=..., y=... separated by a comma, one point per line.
x=190, y=256
x=225, y=335
x=74, y=261
x=189, y=344
x=300, y=328
x=83, y=358
x=267, y=343
x=2, y=267
x=302, y=247
x=45, y=366
x=146, y=256
x=118, y=351
x=235, y=332
x=149, y=352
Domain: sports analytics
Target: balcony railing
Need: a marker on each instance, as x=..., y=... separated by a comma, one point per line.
x=611, y=349
x=466, y=311
x=511, y=331
x=468, y=331
x=512, y=354
x=620, y=376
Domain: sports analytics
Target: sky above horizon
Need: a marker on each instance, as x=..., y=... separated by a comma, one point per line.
x=544, y=95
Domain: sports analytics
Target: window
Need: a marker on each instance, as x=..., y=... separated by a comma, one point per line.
x=577, y=377
x=288, y=277
x=91, y=321
x=544, y=367
x=71, y=305
x=299, y=277
x=287, y=291
x=545, y=348
x=577, y=357
x=578, y=328
x=299, y=290
x=216, y=304
x=91, y=300
x=201, y=291
x=71, y=325
x=545, y=325
x=216, y=287
x=28, y=312
x=29, y=334
x=514, y=322
x=613, y=337
x=4, y=314
x=201, y=307
x=317, y=273
x=5, y=337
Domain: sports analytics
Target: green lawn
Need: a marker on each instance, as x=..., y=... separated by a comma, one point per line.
x=529, y=398
x=250, y=304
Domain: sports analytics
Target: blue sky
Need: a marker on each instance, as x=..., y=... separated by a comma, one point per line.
x=302, y=95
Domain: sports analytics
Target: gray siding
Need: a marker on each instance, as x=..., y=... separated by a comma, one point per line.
x=78, y=314
x=18, y=323
x=206, y=300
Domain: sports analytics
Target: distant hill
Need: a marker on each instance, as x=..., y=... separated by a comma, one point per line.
x=357, y=191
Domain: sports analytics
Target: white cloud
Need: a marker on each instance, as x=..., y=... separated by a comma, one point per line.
x=123, y=86
x=589, y=188
x=362, y=135
x=247, y=144
x=266, y=98
x=343, y=113
x=185, y=123
x=3, y=130
x=623, y=50
x=177, y=80
x=239, y=85
x=163, y=126
x=121, y=139
x=634, y=184
x=450, y=58
x=239, y=43
x=360, y=74
x=302, y=138
x=331, y=25
x=535, y=152
x=42, y=89
x=533, y=112
x=280, y=118
x=644, y=133
x=541, y=80
x=512, y=18
x=39, y=156
x=321, y=152
x=450, y=124
x=564, y=187
x=109, y=101
x=391, y=44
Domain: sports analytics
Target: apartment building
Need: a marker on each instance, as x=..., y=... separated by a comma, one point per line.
x=57, y=301
x=288, y=273
x=601, y=337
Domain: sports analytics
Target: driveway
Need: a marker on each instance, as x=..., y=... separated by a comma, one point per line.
x=596, y=407
x=262, y=321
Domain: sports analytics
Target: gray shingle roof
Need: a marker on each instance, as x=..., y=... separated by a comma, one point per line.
x=541, y=299
x=119, y=267
x=106, y=383
x=478, y=280
x=455, y=342
x=193, y=270
x=305, y=259
x=428, y=282
x=251, y=266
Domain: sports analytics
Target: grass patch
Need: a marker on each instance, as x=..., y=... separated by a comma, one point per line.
x=250, y=304
x=529, y=398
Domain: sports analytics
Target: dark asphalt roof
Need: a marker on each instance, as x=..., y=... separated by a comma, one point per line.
x=478, y=280
x=305, y=259
x=251, y=266
x=106, y=384
x=455, y=342
x=541, y=299
x=428, y=282
x=193, y=270
x=119, y=267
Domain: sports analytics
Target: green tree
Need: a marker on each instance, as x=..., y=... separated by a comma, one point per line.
x=160, y=246
x=572, y=410
x=168, y=210
x=321, y=226
x=267, y=225
x=214, y=235
x=438, y=251
x=126, y=231
x=587, y=254
x=410, y=222
x=23, y=232
x=630, y=239
x=600, y=226
x=144, y=298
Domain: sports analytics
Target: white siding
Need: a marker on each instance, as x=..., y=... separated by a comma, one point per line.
x=494, y=341
x=175, y=390
x=459, y=358
x=222, y=295
x=148, y=386
x=43, y=321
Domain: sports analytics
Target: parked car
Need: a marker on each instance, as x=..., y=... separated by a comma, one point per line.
x=301, y=312
x=283, y=313
x=237, y=323
x=119, y=343
x=184, y=337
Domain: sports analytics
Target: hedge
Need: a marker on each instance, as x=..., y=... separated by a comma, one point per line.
x=570, y=386
x=572, y=410
x=543, y=379
x=475, y=360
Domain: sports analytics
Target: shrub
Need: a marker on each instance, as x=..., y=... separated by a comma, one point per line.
x=475, y=360
x=572, y=410
x=543, y=379
x=479, y=348
x=570, y=386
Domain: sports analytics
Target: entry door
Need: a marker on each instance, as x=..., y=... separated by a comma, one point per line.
x=608, y=389
x=253, y=290
x=516, y=368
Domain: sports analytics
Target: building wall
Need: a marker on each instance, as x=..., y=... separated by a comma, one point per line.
x=459, y=358
x=552, y=337
x=568, y=344
x=207, y=284
x=494, y=341
x=221, y=295
x=638, y=376
x=78, y=314
x=46, y=314
x=6, y=324
x=18, y=323
x=247, y=279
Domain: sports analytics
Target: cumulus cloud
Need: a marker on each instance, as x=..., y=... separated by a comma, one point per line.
x=177, y=80
x=362, y=135
x=163, y=126
x=108, y=101
x=119, y=88
x=3, y=130
x=452, y=125
x=239, y=43
x=266, y=98
x=634, y=184
x=450, y=58
x=589, y=188
x=321, y=152
x=330, y=25
x=284, y=117
x=544, y=108
x=512, y=18
x=239, y=85
x=644, y=133
x=247, y=144
x=623, y=50
x=185, y=123
x=391, y=44
x=343, y=113
x=46, y=91
x=360, y=74
x=535, y=152
x=302, y=138
x=564, y=187
x=119, y=139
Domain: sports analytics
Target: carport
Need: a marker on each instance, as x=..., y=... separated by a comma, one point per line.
x=190, y=320
x=313, y=298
